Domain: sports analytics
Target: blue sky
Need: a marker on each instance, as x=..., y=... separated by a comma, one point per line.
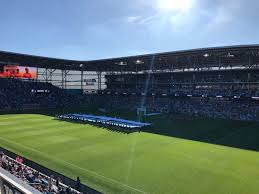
x=95, y=29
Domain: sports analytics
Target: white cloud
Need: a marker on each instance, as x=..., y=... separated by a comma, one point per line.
x=141, y=19
x=174, y=5
x=185, y=16
x=174, y=14
x=224, y=14
x=132, y=19
x=148, y=19
x=221, y=17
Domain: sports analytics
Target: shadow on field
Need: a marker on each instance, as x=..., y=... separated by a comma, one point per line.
x=238, y=134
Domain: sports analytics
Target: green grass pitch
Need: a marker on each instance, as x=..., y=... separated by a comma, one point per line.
x=114, y=162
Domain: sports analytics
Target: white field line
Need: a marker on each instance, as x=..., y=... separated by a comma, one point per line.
x=70, y=164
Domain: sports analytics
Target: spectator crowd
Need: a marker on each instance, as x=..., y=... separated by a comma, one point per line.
x=41, y=182
x=20, y=94
x=226, y=103
x=217, y=108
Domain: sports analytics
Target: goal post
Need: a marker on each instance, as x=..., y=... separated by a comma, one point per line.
x=142, y=111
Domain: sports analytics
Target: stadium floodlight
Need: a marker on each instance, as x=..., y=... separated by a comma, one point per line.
x=206, y=55
x=121, y=63
x=139, y=62
x=230, y=55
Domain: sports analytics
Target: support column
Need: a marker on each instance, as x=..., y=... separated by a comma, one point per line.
x=62, y=79
x=99, y=80
x=46, y=75
x=51, y=74
x=65, y=76
x=82, y=80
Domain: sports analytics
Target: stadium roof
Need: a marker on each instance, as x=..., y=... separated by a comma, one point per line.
x=243, y=55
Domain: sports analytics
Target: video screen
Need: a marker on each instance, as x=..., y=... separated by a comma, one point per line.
x=12, y=71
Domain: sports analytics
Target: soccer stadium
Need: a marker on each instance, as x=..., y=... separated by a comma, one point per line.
x=139, y=97
x=176, y=122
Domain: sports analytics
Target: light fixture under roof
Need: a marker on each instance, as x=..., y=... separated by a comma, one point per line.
x=230, y=55
x=121, y=63
x=139, y=62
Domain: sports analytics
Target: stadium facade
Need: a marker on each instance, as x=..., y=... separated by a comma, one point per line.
x=220, y=82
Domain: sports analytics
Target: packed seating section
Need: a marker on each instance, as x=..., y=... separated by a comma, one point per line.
x=38, y=180
x=22, y=94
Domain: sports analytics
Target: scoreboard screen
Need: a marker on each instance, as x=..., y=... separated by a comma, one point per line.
x=13, y=71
